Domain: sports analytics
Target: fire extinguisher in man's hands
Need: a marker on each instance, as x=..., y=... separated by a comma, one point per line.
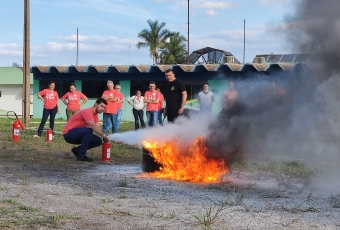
x=105, y=138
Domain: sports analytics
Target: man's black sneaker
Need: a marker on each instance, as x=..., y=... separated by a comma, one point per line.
x=84, y=158
x=75, y=152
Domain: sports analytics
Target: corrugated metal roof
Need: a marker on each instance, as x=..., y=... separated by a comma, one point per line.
x=235, y=67
x=162, y=68
x=260, y=67
x=61, y=69
x=142, y=68
x=121, y=68
x=100, y=69
x=81, y=68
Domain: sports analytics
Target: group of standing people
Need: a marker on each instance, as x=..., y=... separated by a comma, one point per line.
x=113, y=112
x=50, y=99
x=82, y=123
x=153, y=101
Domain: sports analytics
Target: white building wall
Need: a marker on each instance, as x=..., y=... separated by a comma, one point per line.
x=11, y=99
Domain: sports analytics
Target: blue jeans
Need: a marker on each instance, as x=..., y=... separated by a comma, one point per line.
x=109, y=121
x=46, y=113
x=152, y=117
x=84, y=137
x=160, y=120
x=119, y=117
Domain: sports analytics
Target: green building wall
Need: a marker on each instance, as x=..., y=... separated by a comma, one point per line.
x=38, y=104
x=218, y=86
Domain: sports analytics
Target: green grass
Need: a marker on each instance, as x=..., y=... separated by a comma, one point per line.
x=280, y=167
x=14, y=214
x=40, y=156
x=29, y=150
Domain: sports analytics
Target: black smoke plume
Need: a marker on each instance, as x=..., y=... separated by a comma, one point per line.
x=305, y=123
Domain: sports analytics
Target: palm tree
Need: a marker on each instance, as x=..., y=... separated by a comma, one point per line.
x=174, y=51
x=154, y=38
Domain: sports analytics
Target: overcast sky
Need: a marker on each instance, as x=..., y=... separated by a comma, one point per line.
x=108, y=29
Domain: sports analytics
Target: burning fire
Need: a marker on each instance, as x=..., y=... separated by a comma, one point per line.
x=189, y=163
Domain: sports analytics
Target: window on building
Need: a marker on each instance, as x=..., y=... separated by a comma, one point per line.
x=193, y=90
x=95, y=89
x=61, y=87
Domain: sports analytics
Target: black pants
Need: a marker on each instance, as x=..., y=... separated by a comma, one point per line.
x=138, y=114
x=172, y=115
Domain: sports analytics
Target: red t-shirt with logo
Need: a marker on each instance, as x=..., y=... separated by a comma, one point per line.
x=152, y=95
x=73, y=100
x=111, y=105
x=161, y=102
x=80, y=119
x=120, y=98
x=50, y=98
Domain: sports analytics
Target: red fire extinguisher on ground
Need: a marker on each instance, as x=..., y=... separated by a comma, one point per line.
x=16, y=127
x=106, y=151
x=49, y=135
x=15, y=131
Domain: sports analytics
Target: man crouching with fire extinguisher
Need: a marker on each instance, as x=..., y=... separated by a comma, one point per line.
x=79, y=130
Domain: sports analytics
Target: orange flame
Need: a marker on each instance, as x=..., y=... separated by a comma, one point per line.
x=186, y=163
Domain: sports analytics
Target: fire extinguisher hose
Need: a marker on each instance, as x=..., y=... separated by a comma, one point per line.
x=17, y=118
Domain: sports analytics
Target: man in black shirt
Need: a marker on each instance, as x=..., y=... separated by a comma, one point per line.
x=176, y=96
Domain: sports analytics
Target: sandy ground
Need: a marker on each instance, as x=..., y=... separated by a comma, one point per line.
x=109, y=196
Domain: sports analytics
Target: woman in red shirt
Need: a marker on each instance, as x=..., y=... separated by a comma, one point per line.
x=51, y=107
x=73, y=100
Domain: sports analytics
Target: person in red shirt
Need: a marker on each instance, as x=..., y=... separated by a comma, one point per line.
x=276, y=94
x=73, y=100
x=151, y=98
x=160, y=107
x=51, y=107
x=230, y=97
x=79, y=130
x=120, y=101
x=110, y=112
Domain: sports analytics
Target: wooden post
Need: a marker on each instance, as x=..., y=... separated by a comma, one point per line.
x=26, y=65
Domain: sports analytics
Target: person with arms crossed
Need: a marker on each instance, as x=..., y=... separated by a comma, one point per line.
x=79, y=130
x=160, y=107
x=206, y=99
x=151, y=98
x=73, y=100
x=138, y=104
x=51, y=107
x=110, y=112
x=176, y=96
x=120, y=101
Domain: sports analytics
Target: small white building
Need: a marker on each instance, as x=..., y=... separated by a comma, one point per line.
x=11, y=90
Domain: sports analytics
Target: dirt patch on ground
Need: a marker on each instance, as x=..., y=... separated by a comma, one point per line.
x=109, y=196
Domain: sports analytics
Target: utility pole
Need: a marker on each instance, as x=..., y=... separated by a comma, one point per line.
x=129, y=54
x=26, y=63
x=188, y=34
x=244, y=40
x=77, y=48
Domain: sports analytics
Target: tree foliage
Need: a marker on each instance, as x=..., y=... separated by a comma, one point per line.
x=174, y=51
x=154, y=38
